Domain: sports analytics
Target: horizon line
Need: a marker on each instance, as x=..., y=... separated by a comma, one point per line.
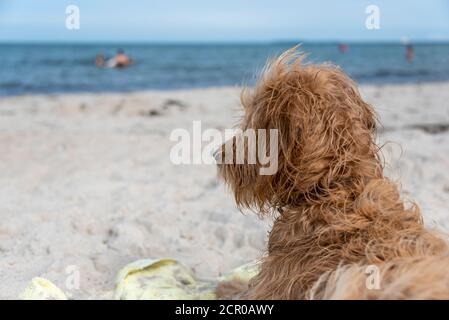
x=224, y=42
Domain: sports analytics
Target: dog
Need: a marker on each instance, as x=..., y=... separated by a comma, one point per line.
x=335, y=215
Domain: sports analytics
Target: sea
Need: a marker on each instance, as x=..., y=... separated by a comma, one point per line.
x=70, y=68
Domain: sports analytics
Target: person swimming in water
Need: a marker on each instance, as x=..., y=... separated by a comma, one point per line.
x=343, y=47
x=121, y=60
x=100, y=60
x=410, y=53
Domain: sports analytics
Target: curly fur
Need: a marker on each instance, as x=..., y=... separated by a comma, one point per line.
x=334, y=211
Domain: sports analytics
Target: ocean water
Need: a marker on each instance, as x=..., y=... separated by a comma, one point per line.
x=27, y=68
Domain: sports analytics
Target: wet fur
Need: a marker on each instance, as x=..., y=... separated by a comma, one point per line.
x=334, y=211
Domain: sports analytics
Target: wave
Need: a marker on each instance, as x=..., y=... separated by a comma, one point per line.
x=385, y=73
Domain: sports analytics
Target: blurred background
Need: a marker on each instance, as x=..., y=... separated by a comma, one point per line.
x=179, y=44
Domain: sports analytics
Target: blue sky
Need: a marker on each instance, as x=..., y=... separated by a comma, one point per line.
x=223, y=21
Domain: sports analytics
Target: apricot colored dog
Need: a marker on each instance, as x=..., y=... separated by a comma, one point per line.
x=336, y=216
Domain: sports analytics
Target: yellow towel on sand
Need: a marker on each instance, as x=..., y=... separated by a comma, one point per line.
x=150, y=279
x=42, y=289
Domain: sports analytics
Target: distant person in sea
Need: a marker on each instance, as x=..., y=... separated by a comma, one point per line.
x=121, y=60
x=100, y=60
x=343, y=47
x=409, y=53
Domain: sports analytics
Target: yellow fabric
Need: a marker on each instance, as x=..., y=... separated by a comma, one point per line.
x=151, y=279
x=42, y=289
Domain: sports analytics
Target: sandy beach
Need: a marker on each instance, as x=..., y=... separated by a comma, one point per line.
x=86, y=181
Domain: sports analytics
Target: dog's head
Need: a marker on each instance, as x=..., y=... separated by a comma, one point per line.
x=324, y=135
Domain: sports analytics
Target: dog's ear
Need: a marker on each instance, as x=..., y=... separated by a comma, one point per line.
x=265, y=108
x=242, y=175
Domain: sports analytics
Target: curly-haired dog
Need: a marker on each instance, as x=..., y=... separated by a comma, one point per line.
x=335, y=214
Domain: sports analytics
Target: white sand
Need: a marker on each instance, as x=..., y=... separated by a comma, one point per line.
x=86, y=180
